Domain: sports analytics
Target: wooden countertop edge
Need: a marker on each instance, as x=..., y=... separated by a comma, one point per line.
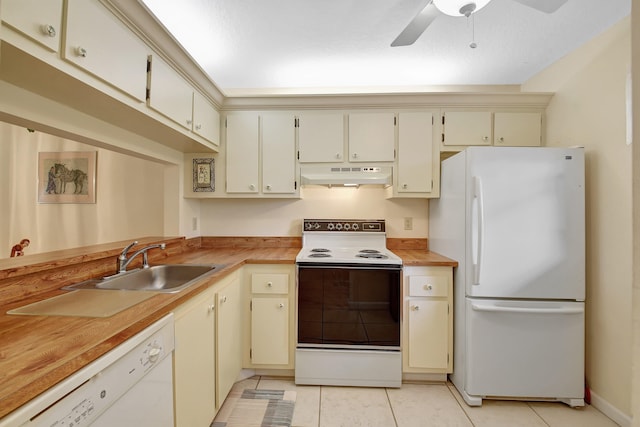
x=122, y=326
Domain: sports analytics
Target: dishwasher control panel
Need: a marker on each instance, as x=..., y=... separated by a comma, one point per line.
x=117, y=372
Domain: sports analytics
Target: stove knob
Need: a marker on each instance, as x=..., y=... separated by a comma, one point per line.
x=338, y=226
x=347, y=226
x=355, y=226
x=330, y=226
x=316, y=225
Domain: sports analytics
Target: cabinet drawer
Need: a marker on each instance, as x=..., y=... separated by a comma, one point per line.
x=263, y=283
x=428, y=286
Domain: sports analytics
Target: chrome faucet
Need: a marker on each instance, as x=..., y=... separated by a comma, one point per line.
x=123, y=261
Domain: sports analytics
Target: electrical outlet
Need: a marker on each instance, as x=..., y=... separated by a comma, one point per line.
x=408, y=223
x=194, y=223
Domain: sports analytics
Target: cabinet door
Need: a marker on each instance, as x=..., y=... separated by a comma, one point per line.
x=242, y=153
x=206, y=120
x=278, y=153
x=371, y=137
x=415, y=152
x=39, y=20
x=101, y=44
x=170, y=94
x=229, y=338
x=270, y=331
x=321, y=137
x=194, y=362
x=428, y=333
x=517, y=129
x=467, y=128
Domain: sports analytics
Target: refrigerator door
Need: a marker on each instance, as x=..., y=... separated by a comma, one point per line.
x=525, y=223
x=531, y=349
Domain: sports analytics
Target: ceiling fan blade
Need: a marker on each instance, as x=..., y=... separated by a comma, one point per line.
x=546, y=6
x=417, y=26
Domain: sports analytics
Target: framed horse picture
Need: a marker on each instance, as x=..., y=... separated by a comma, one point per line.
x=67, y=177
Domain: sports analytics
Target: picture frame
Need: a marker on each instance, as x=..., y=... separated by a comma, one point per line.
x=67, y=177
x=203, y=175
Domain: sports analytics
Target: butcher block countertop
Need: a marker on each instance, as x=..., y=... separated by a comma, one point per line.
x=36, y=352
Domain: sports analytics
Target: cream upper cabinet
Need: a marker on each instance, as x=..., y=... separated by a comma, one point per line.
x=194, y=361
x=101, y=44
x=321, y=137
x=242, y=148
x=169, y=93
x=206, y=119
x=417, y=171
x=517, y=129
x=269, y=329
x=228, y=336
x=428, y=324
x=372, y=137
x=41, y=21
x=278, y=153
x=463, y=128
x=260, y=157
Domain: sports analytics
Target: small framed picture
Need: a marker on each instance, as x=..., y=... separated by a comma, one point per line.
x=203, y=175
x=67, y=177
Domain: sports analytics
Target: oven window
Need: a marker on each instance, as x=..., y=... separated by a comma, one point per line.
x=349, y=306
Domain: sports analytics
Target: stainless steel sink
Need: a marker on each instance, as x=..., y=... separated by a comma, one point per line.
x=167, y=278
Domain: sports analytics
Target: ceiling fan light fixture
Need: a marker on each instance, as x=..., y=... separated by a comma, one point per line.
x=459, y=7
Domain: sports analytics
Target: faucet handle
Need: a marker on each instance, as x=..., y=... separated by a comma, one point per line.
x=126, y=249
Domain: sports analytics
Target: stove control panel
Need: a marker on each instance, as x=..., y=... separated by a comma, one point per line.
x=342, y=225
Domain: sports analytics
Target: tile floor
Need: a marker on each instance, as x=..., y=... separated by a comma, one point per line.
x=433, y=405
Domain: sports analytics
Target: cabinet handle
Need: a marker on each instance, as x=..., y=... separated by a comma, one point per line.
x=415, y=307
x=49, y=30
x=485, y=138
x=428, y=287
x=270, y=284
x=80, y=51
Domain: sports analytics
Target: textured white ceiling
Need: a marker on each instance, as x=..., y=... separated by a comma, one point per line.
x=322, y=46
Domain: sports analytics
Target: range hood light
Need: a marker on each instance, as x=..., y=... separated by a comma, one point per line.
x=346, y=176
x=351, y=185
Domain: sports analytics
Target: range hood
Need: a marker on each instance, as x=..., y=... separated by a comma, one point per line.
x=346, y=175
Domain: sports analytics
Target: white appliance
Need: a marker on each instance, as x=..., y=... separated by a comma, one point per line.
x=132, y=385
x=513, y=218
x=349, y=305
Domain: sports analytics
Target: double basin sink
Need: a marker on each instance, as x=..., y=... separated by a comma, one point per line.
x=169, y=278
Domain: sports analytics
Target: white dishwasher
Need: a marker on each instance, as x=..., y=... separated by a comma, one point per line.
x=132, y=385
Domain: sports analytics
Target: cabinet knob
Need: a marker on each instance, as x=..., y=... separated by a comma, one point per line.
x=281, y=305
x=223, y=299
x=269, y=187
x=501, y=139
x=189, y=121
x=415, y=307
x=354, y=155
x=485, y=138
x=270, y=284
x=338, y=156
x=428, y=287
x=211, y=308
x=405, y=186
x=198, y=127
x=82, y=52
x=252, y=187
x=49, y=30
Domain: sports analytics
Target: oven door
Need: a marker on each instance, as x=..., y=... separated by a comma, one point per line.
x=349, y=306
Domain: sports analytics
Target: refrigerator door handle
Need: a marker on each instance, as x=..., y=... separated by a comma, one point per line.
x=498, y=309
x=478, y=229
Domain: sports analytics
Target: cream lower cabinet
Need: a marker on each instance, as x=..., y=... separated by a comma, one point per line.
x=228, y=335
x=428, y=321
x=269, y=340
x=194, y=361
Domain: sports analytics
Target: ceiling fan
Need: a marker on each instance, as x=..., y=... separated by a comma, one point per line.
x=458, y=8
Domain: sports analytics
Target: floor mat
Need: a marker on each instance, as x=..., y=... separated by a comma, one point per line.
x=249, y=407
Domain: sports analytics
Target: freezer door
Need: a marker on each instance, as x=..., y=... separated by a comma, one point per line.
x=525, y=223
x=525, y=349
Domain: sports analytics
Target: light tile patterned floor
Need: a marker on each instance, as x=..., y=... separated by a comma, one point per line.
x=415, y=405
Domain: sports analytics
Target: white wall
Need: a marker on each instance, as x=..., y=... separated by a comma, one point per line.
x=129, y=196
x=588, y=109
x=253, y=217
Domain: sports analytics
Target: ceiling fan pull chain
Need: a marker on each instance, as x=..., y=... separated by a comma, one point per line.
x=473, y=43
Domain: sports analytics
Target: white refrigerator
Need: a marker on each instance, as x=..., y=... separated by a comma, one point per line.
x=513, y=218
